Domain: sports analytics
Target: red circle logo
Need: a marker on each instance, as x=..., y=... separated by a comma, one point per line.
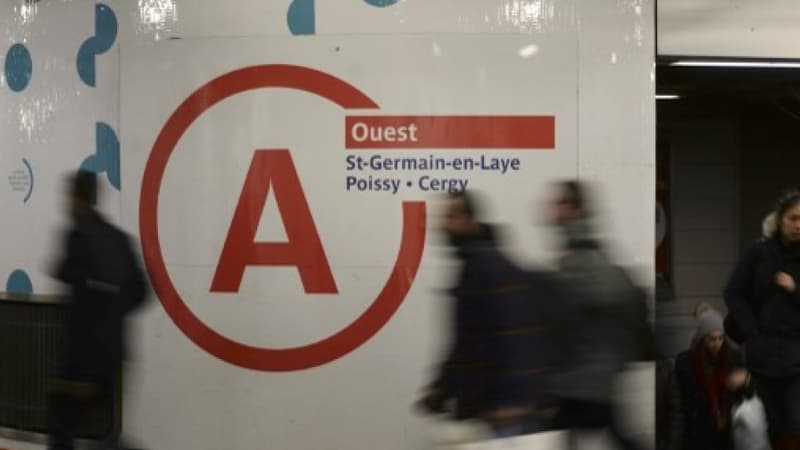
x=326, y=350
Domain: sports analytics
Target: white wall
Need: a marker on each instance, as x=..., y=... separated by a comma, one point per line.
x=594, y=72
x=729, y=28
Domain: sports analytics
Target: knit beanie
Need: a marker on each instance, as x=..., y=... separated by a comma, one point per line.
x=708, y=322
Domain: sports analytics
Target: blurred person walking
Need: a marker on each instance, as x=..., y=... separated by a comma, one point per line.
x=105, y=284
x=605, y=324
x=501, y=350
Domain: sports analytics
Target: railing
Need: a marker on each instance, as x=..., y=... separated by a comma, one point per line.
x=32, y=333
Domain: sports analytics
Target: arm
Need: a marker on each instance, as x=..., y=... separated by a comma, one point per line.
x=74, y=266
x=739, y=379
x=128, y=279
x=439, y=381
x=788, y=283
x=738, y=291
x=516, y=335
x=435, y=393
x=135, y=288
x=515, y=349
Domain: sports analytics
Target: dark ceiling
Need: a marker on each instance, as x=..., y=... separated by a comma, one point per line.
x=727, y=91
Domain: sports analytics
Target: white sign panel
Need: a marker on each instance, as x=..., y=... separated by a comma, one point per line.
x=287, y=212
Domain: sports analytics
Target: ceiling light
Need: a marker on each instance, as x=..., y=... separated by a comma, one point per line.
x=739, y=64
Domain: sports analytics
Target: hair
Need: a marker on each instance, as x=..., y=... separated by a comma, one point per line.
x=470, y=202
x=787, y=201
x=771, y=225
x=575, y=195
x=84, y=187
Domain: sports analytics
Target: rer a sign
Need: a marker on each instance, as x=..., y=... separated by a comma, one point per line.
x=272, y=172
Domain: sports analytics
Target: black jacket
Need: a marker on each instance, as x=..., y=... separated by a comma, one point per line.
x=692, y=425
x=767, y=315
x=502, y=350
x=106, y=283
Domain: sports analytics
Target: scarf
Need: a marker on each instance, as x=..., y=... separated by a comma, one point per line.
x=711, y=373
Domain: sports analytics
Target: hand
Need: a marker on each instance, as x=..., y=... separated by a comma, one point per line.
x=507, y=415
x=786, y=281
x=433, y=402
x=737, y=379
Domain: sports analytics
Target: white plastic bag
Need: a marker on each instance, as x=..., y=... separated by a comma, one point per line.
x=749, y=425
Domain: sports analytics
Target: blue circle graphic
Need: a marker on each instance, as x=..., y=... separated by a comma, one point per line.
x=19, y=283
x=381, y=3
x=18, y=67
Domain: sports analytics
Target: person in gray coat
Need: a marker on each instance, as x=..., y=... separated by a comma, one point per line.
x=605, y=321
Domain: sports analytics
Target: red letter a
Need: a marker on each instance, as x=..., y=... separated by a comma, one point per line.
x=303, y=249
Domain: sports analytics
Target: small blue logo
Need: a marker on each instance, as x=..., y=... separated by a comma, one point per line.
x=21, y=180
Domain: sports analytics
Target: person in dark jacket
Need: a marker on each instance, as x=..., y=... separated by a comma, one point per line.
x=105, y=284
x=700, y=385
x=764, y=304
x=606, y=320
x=501, y=351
